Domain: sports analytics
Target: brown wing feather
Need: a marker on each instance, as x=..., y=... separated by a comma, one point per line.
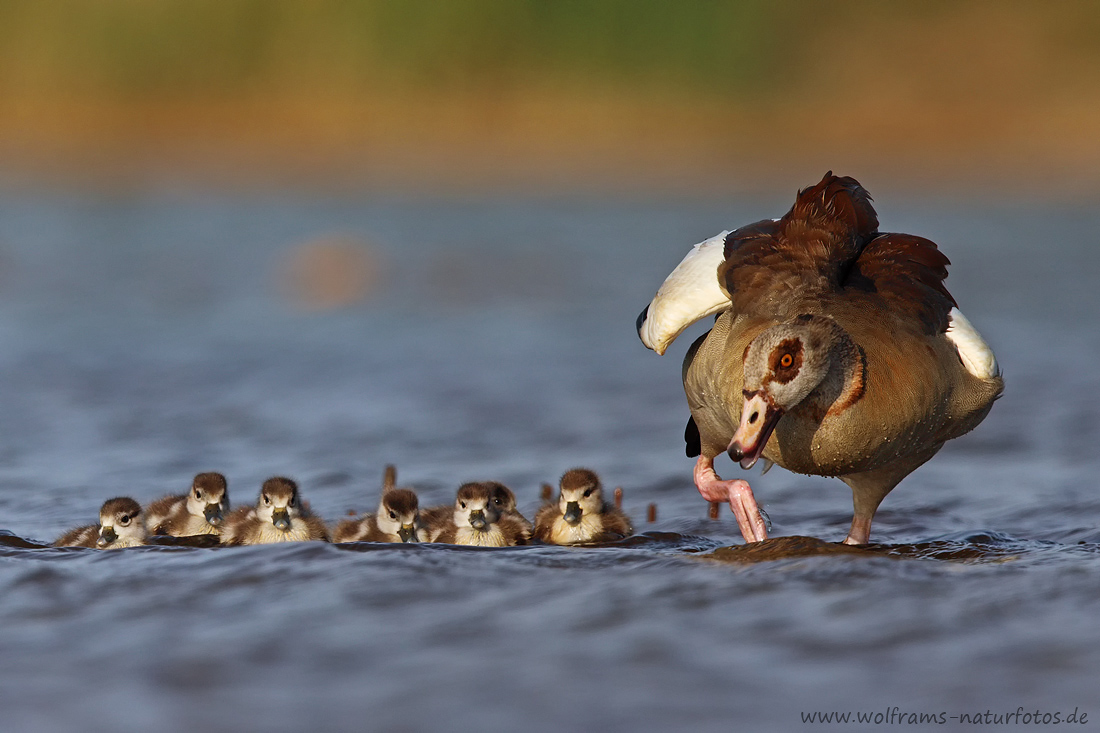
x=827, y=246
x=903, y=276
x=770, y=266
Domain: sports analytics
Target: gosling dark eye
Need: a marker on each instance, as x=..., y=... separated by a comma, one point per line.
x=463, y=504
x=587, y=493
x=393, y=515
x=267, y=499
x=124, y=520
x=753, y=417
x=198, y=493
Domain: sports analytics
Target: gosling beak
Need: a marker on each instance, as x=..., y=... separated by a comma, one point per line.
x=281, y=519
x=106, y=536
x=213, y=514
x=573, y=512
x=759, y=416
x=477, y=519
x=407, y=533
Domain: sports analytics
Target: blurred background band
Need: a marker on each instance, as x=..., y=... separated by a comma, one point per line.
x=600, y=93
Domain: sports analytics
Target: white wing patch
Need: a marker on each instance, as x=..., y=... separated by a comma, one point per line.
x=974, y=352
x=689, y=293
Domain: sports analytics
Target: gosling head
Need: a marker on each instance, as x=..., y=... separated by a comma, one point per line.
x=580, y=494
x=783, y=365
x=278, y=502
x=209, y=498
x=474, y=507
x=120, y=523
x=503, y=498
x=399, y=514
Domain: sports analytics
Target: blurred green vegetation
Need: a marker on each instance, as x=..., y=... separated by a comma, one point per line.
x=997, y=78
x=138, y=47
x=143, y=47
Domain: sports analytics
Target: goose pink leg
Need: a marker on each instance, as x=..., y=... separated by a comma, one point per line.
x=739, y=495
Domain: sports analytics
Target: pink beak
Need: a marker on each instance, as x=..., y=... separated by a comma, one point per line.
x=759, y=417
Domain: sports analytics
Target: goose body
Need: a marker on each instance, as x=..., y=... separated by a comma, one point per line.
x=839, y=352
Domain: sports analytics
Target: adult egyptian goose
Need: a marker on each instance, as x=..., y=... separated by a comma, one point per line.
x=580, y=515
x=837, y=351
x=200, y=511
x=279, y=516
x=476, y=520
x=120, y=525
x=396, y=520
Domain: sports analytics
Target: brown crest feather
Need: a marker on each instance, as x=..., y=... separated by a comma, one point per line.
x=828, y=246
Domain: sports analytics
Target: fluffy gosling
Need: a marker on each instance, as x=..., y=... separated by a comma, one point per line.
x=120, y=525
x=580, y=515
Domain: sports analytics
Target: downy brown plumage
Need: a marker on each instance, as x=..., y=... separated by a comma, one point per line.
x=120, y=525
x=278, y=516
x=396, y=520
x=580, y=515
x=200, y=511
x=476, y=520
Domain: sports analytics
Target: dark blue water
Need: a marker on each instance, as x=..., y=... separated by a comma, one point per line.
x=147, y=337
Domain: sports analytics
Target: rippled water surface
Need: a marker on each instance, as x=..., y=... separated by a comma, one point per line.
x=149, y=337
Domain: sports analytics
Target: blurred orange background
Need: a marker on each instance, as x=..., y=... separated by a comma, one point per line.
x=602, y=94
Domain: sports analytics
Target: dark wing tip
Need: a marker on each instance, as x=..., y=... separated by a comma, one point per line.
x=691, y=437
x=641, y=320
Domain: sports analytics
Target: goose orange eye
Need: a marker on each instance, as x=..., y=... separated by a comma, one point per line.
x=786, y=361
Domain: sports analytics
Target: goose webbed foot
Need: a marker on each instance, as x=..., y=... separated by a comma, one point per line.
x=739, y=495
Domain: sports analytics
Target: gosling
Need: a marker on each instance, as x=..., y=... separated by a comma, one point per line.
x=200, y=511
x=279, y=516
x=476, y=520
x=120, y=525
x=580, y=516
x=397, y=518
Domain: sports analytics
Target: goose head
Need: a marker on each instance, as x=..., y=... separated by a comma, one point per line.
x=783, y=367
